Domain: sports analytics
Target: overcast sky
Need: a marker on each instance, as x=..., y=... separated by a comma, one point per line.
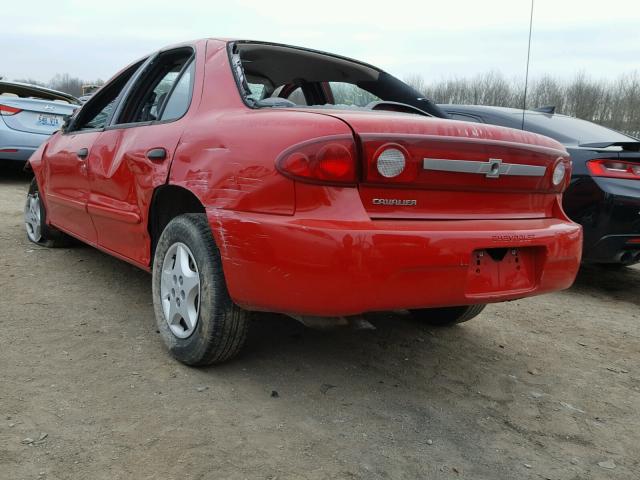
x=437, y=39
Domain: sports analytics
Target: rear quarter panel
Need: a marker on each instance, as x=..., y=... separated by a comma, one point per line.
x=35, y=162
x=226, y=156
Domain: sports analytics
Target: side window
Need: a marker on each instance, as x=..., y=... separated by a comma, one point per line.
x=151, y=91
x=259, y=87
x=258, y=90
x=96, y=112
x=101, y=118
x=180, y=98
x=351, y=94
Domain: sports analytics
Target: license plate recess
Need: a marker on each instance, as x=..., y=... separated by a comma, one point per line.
x=494, y=270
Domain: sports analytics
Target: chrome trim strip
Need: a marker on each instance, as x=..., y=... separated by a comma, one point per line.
x=494, y=168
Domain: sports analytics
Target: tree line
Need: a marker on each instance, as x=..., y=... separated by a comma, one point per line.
x=613, y=103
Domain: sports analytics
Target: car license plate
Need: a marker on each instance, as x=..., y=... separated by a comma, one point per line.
x=45, y=120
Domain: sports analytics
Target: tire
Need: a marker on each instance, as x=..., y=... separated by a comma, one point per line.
x=199, y=324
x=35, y=220
x=444, y=317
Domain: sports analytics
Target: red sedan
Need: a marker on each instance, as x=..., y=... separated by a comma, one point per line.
x=252, y=176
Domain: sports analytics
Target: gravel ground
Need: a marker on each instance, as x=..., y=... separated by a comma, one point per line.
x=547, y=387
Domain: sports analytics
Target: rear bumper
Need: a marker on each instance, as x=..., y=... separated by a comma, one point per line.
x=17, y=145
x=18, y=154
x=624, y=249
x=611, y=221
x=307, y=266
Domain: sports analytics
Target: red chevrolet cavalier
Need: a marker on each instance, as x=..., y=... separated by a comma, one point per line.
x=252, y=176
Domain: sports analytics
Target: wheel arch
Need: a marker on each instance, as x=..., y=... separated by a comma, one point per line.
x=35, y=164
x=167, y=202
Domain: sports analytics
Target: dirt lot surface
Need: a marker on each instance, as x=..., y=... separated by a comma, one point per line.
x=547, y=387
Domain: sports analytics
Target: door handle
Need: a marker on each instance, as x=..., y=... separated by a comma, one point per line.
x=83, y=153
x=157, y=154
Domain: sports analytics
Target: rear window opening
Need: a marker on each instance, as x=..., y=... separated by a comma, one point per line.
x=279, y=76
x=571, y=130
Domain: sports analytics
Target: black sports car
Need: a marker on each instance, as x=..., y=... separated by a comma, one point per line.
x=604, y=193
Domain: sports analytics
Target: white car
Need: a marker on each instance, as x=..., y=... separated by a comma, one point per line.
x=29, y=114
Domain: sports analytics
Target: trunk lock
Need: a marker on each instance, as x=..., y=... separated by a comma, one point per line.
x=494, y=168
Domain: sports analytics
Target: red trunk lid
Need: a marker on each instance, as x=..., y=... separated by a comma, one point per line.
x=455, y=170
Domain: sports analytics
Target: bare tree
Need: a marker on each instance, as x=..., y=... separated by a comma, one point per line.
x=547, y=91
x=613, y=103
x=31, y=81
x=65, y=83
x=417, y=82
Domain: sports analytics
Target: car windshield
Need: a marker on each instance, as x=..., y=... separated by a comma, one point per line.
x=272, y=75
x=572, y=131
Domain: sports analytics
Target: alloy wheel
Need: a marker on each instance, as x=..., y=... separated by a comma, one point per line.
x=180, y=290
x=33, y=217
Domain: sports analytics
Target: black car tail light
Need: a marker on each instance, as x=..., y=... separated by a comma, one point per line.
x=614, y=169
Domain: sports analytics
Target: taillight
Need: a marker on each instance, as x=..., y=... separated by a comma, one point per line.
x=7, y=110
x=614, y=169
x=327, y=160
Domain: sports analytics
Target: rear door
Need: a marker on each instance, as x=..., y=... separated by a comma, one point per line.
x=66, y=158
x=133, y=155
x=67, y=187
